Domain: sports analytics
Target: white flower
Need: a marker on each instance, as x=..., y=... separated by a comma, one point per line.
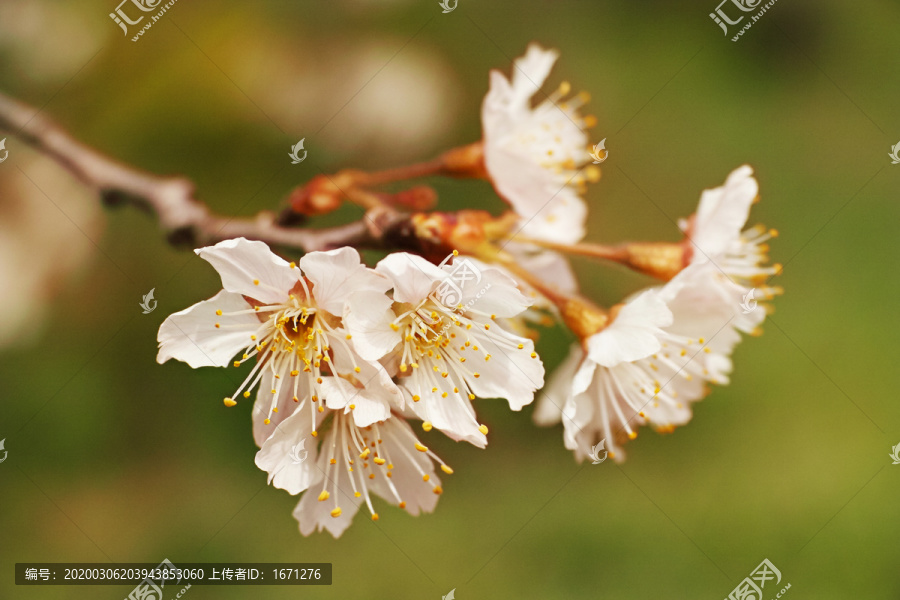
x=285, y=317
x=534, y=154
x=445, y=356
x=715, y=234
x=646, y=366
x=351, y=464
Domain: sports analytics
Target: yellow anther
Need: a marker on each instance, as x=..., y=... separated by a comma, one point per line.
x=483, y=429
x=446, y=469
x=229, y=402
x=427, y=425
x=294, y=373
x=237, y=363
x=402, y=505
x=293, y=265
x=476, y=374
x=219, y=312
x=632, y=435
x=471, y=396
x=437, y=490
x=275, y=410
x=426, y=477
x=218, y=326
x=394, y=327
x=534, y=355
x=378, y=460
x=267, y=422
x=414, y=365
x=336, y=512
x=324, y=496
x=321, y=409
x=256, y=282
x=352, y=406
x=357, y=369
x=333, y=461
x=247, y=394
x=315, y=434
x=403, y=367
x=374, y=516
x=420, y=447
x=521, y=346
x=416, y=398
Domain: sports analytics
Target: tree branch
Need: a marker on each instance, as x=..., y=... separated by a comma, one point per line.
x=185, y=220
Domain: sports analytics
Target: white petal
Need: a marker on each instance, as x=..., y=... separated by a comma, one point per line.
x=511, y=373
x=453, y=415
x=558, y=390
x=338, y=273
x=406, y=478
x=242, y=262
x=488, y=290
x=371, y=403
x=723, y=212
x=191, y=335
x=313, y=515
x=634, y=333
x=531, y=71
x=560, y=219
x=413, y=276
x=289, y=440
x=285, y=402
x=368, y=318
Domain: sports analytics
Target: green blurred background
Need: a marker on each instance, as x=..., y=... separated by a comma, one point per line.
x=113, y=457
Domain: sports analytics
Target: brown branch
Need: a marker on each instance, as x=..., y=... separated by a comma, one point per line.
x=184, y=219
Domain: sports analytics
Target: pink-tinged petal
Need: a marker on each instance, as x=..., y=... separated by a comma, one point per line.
x=412, y=276
x=370, y=404
x=722, y=213
x=250, y=268
x=634, y=333
x=368, y=318
x=291, y=441
x=338, y=273
x=191, y=335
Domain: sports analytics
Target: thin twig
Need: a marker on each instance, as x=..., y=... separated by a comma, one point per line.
x=185, y=219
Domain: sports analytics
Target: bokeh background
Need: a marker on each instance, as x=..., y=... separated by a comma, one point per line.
x=113, y=457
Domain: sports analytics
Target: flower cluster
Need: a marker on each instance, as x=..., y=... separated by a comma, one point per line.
x=343, y=357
